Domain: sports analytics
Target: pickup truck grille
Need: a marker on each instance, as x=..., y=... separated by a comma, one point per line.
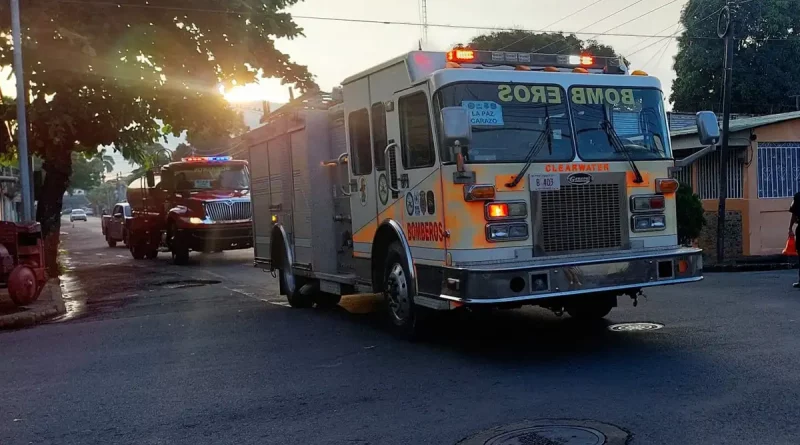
x=228, y=210
x=582, y=218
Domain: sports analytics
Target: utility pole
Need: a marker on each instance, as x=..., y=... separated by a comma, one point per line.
x=725, y=30
x=22, y=124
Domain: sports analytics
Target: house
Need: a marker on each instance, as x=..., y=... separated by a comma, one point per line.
x=763, y=172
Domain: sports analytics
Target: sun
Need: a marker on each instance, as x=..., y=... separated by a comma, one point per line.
x=269, y=90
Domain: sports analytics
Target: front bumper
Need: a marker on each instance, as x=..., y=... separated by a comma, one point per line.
x=571, y=276
x=208, y=238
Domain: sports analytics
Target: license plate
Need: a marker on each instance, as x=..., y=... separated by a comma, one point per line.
x=542, y=183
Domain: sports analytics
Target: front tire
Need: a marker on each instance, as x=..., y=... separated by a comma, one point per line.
x=592, y=308
x=404, y=316
x=179, y=249
x=137, y=252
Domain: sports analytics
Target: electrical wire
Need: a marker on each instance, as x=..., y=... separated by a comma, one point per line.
x=554, y=23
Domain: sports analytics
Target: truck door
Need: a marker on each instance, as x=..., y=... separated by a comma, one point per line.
x=419, y=185
x=363, y=199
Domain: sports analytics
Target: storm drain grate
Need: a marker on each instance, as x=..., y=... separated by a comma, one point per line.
x=182, y=284
x=635, y=327
x=551, y=432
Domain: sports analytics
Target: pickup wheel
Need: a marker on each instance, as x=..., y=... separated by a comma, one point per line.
x=405, y=318
x=111, y=242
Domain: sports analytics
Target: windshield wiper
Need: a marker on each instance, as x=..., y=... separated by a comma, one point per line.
x=534, y=150
x=613, y=139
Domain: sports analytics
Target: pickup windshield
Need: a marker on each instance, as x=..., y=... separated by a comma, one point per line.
x=508, y=118
x=636, y=115
x=212, y=177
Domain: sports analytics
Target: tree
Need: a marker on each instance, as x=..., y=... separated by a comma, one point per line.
x=101, y=73
x=690, y=217
x=549, y=43
x=766, y=49
x=88, y=173
x=150, y=156
x=181, y=151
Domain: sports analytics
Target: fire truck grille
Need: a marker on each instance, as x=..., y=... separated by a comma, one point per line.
x=228, y=211
x=581, y=217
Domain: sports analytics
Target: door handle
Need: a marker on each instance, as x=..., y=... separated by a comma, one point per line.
x=389, y=166
x=344, y=160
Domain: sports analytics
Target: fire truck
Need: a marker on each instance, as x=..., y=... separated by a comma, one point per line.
x=200, y=204
x=473, y=179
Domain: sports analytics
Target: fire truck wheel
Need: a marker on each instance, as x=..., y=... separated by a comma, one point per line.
x=137, y=252
x=22, y=287
x=406, y=319
x=325, y=300
x=151, y=254
x=592, y=310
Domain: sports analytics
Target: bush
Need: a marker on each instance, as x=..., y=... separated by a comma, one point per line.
x=690, y=214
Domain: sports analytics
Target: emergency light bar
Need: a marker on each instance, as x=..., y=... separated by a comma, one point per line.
x=207, y=159
x=609, y=65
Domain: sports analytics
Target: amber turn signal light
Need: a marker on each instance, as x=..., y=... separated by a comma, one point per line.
x=666, y=186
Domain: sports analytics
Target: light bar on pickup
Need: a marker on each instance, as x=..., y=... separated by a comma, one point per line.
x=207, y=159
x=609, y=65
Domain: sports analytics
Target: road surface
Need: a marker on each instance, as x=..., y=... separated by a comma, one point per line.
x=147, y=356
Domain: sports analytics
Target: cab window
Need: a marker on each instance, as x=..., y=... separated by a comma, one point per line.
x=415, y=132
x=380, y=141
x=358, y=122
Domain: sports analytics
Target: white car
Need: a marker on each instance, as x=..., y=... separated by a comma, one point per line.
x=77, y=214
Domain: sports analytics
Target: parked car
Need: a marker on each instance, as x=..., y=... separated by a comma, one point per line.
x=89, y=212
x=115, y=226
x=77, y=214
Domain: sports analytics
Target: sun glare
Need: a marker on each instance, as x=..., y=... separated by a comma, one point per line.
x=257, y=92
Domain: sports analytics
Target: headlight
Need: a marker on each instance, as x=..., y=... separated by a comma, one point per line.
x=647, y=223
x=506, y=232
x=195, y=220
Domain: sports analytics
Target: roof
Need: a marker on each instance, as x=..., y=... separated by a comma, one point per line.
x=745, y=123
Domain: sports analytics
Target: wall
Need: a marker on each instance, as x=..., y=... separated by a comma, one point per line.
x=736, y=228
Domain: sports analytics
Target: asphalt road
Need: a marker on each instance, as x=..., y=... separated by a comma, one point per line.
x=141, y=359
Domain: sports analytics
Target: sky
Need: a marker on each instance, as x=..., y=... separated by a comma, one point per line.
x=334, y=50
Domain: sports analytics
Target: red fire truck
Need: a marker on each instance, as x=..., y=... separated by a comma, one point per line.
x=200, y=204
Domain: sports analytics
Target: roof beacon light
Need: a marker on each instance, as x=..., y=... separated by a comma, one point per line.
x=461, y=55
x=207, y=159
x=581, y=60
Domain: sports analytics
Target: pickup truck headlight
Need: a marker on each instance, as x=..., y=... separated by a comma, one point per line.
x=195, y=220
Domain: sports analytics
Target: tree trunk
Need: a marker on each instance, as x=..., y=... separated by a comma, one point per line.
x=51, y=198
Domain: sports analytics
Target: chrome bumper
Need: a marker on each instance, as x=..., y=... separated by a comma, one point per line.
x=561, y=278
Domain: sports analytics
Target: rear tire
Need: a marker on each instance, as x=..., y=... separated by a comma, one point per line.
x=111, y=242
x=151, y=254
x=179, y=249
x=138, y=252
x=325, y=300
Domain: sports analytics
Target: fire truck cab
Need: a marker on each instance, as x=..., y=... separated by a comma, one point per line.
x=473, y=178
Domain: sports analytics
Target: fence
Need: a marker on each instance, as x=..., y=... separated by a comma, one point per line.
x=708, y=176
x=778, y=169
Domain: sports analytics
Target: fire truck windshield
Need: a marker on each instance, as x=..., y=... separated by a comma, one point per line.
x=507, y=118
x=636, y=115
x=216, y=177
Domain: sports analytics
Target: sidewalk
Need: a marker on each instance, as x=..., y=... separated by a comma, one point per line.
x=50, y=304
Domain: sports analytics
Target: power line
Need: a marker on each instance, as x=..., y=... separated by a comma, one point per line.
x=564, y=38
x=554, y=23
x=673, y=35
x=408, y=23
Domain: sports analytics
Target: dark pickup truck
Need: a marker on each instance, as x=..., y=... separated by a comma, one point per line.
x=115, y=226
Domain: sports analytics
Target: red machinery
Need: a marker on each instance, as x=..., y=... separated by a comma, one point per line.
x=22, y=268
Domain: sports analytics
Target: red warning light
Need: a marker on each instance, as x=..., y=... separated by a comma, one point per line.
x=587, y=60
x=461, y=55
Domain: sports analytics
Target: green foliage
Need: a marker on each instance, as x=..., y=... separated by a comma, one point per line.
x=765, y=72
x=150, y=156
x=550, y=43
x=690, y=214
x=103, y=195
x=88, y=173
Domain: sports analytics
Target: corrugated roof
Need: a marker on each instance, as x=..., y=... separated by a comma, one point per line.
x=745, y=123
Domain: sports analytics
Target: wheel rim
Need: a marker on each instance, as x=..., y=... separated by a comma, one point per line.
x=397, y=293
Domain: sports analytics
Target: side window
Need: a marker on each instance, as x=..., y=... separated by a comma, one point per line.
x=415, y=131
x=360, y=148
x=379, y=134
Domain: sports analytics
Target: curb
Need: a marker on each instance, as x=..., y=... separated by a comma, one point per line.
x=748, y=267
x=49, y=304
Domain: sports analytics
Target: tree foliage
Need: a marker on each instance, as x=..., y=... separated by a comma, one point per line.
x=101, y=73
x=765, y=71
x=88, y=173
x=548, y=43
x=690, y=214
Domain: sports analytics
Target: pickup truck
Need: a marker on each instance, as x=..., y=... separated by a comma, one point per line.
x=115, y=226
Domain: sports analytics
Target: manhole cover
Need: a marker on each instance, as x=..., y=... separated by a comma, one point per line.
x=180, y=284
x=551, y=432
x=629, y=327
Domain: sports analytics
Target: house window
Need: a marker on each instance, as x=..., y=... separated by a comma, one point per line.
x=358, y=122
x=416, y=134
x=778, y=169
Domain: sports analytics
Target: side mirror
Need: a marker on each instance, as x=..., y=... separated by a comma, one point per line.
x=151, y=179
x=456, y=128
x=708, y=128
x=118, y=215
